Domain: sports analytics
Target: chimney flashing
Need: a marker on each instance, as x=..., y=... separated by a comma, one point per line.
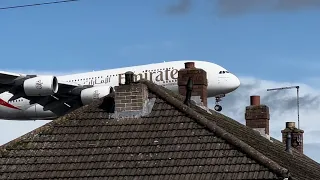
x=262, y=132
x=196, y=100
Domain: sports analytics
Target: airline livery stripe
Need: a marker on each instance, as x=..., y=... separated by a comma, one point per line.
x=4, y=103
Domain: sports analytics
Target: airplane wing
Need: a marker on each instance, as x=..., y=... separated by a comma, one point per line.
x=65, y=99
x=7, y=76
x=9, y=80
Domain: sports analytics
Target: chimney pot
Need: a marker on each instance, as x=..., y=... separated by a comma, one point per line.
x=288, y=143
x=189, y=91
x=129, y=77
x=290, y=125
x=189, y=65
x=254, y=100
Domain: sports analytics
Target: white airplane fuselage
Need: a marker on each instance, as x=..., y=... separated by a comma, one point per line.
x=220, y=82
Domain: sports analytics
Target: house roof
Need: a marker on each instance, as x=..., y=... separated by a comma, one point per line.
x=173, y=141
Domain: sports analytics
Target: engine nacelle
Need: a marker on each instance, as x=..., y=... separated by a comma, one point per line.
x=41, y=86
x=93, y=93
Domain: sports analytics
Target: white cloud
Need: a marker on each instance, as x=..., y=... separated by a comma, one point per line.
x=282, y=106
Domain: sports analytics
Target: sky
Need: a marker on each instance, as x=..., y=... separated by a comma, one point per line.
x=267, y=44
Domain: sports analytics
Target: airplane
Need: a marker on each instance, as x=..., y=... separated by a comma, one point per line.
x=46, y=97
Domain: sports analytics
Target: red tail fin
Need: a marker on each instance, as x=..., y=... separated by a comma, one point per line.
x=6, y=104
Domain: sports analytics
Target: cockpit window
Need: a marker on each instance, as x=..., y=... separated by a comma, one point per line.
x=223, y=72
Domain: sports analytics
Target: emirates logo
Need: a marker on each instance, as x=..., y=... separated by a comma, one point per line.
x=96, y=94
x=39, y=84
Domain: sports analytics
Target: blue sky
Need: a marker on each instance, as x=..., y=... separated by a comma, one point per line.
x=96, y=34
x=271, y=48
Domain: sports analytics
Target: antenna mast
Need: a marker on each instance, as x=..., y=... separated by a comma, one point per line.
x=291, y=87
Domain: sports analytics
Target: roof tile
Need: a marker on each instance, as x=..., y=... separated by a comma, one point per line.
x=172, y=142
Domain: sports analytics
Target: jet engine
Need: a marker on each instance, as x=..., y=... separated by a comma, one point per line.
x=93, y=93
x=41, y=86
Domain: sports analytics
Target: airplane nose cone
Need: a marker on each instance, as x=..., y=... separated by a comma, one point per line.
x=231, y=83
x=237, y=82
x=226, y=84
x=234, y=83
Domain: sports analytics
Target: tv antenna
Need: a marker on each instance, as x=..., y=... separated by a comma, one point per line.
x=290, y=87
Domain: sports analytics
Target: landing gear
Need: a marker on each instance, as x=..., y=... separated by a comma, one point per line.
x=217, y=107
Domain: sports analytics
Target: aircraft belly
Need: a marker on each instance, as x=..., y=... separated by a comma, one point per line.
x=37, y=112
x=7, y=113
x=41, y=113
x=30, y=112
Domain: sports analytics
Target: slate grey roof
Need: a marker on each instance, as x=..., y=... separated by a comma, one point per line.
x=173, y=142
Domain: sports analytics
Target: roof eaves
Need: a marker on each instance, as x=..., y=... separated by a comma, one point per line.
x=211, y=125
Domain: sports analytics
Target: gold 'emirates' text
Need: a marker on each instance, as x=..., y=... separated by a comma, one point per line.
x=157, y=76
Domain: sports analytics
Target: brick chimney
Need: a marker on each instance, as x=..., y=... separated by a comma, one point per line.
x=257, y=115
x=131, y=98
x=296, y=136
x=199, y=80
